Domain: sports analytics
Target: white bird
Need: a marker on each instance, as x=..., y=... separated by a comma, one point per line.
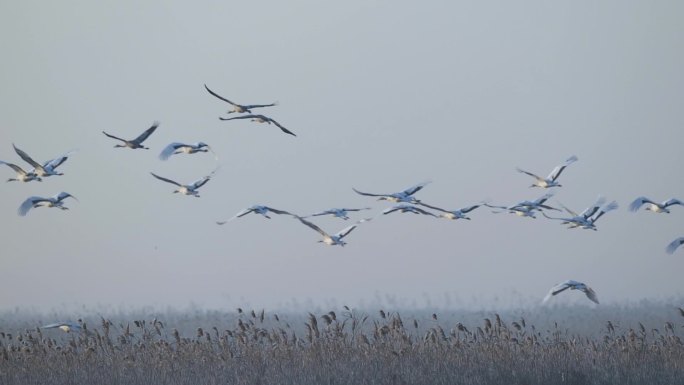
x=46, y=169
x=187, y=189
x=22, y=175
x=587, y=219
x=572, y=285
x=256, y=209
x=64, y=326
x=35, y=201
x=261, y=119
x=405, y=196
x=183, y=148
x=338, y=213
x=537, y=204
x=137, y=142
x=239, y=108
x=453, y=214
x=551, y=180
x=335, y=239
x=674, y=245
x=654, y=206
x=407, y=209
x=521, y=211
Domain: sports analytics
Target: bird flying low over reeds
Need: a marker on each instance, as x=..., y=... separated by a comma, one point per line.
x=35, y=202
x=64, y=326
x=137, y=142
x=572, y=285
x=552, y=179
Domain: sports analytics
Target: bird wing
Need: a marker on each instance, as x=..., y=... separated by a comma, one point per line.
x=244, y=212
x=634, y=206
x=543, y=198
x=391, y=209
x=240, y=117
x=414, y=189
x=200, y=182
x=27, y=158
x=530, y=174
x=421, y=211
x=673, y=201
x=146, y=134
x=468, y=209
x=435, y=207
x=276, y=211
x=363, y=208
x=571, y=212
x=313, y=226
x=28, y=204
x=250, y=106
x=555, y=290
x=343, y=233
x=591, y=294
x=14, y=167
x=219, y=96
x=114, y=137
x=56, y=162
x=609, y=207
x=591, y=210
x=674, y=245
x=559, y=169
x=283, y=129
x=368, y=194
x=53, y=325
x=63, y=195
x=170, y=149
x=166, y=180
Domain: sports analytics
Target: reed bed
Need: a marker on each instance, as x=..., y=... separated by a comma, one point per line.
x=345, y=347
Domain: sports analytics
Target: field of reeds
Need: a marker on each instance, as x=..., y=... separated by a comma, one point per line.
x=637, y=344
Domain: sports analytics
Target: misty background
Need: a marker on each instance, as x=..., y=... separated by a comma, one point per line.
x=382, y=95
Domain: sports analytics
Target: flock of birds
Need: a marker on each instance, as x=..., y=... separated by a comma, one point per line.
x=405, y=200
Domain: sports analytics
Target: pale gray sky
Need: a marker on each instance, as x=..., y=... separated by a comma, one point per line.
x=382, y=95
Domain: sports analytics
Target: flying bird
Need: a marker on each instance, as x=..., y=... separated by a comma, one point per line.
x=521, y=211
x=338, y=213
x=654, y=206
x=674, y=245
x=537, y=204
x=182, y=148
x=64, y=326
x=35, y=201
x=187, y=189
x=256, y=209
x=572, y=285
x=137, y=142
x=587, y=219
x=407, y=209
x=261, y=119
x=22, y=175
x=239, y=108
x=453, y=214
x=46, y=169
x=335, y=239
x=405, y=196
x=552, y=179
